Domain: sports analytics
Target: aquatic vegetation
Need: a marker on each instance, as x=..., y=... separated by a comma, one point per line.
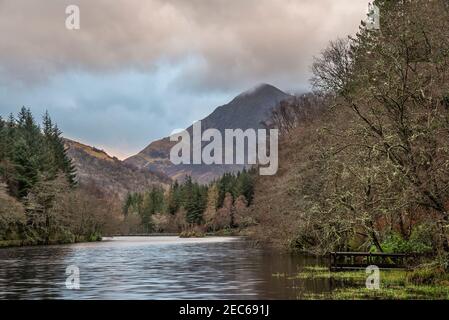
x=423, y=283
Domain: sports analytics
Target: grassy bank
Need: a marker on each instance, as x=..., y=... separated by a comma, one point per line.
x=424, y=283
x=35, y=242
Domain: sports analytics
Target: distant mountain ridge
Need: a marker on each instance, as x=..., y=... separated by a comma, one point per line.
x=108, y=174
x=248, y=110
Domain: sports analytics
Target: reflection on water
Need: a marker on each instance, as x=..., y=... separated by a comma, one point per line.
x=154, y=268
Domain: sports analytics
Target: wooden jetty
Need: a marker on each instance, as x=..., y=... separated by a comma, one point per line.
x=339, y=261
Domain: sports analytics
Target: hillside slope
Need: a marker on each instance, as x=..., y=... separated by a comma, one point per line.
x=108, y=174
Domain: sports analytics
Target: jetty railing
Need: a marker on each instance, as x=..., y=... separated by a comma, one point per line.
x=339, y=261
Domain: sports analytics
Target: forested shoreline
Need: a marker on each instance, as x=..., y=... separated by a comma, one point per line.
x=192, y=209
x=40, y=202
x=364, y=159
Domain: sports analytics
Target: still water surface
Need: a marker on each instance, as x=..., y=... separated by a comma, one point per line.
x=155, y=268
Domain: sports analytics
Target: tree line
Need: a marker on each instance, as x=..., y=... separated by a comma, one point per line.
x=188, y=205
x=40, y=202
x=373, y=173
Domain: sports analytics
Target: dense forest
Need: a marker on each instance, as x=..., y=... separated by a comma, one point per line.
x=364, y=159
x=40, y=202
x=191, y=208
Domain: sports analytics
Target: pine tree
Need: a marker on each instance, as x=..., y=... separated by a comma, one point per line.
x=10, y=133
x=63, y=161
x=127, y=204
x=26, y=154
x=195, y=205
x=49, y=157
x=174, y=198
x=244, y=187
x=7, y=167
x=226, y=185
x=147, y=210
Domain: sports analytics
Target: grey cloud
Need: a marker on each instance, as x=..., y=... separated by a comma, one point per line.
x=239, y=41
x=138, y=69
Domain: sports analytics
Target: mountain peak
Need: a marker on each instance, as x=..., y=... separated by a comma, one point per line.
x=260, y=89
x=247, y=111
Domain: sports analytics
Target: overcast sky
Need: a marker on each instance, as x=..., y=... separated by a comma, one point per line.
x=137, y=69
